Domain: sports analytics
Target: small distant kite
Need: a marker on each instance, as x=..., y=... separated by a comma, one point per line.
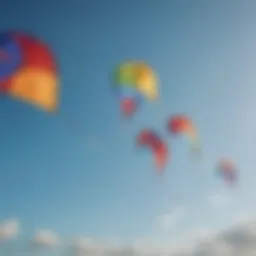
x=182, y=125
x=134, y=81
x=28, y=70
x=227, y=171
x=159, y=148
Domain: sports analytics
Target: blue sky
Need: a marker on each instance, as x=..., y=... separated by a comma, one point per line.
x=79, y=173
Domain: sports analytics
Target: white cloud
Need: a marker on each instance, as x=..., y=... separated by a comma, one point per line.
x=237, y=240
x=242, y=217
x=218, y=200
x=146, y=245
x=201, y=235
x=9, y=229
x=46, y=238
x=168, y=221
x=84, y=246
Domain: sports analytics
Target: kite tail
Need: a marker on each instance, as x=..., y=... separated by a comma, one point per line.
x=161, y=160
x=195, y=147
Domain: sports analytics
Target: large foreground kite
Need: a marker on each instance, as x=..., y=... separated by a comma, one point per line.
x=28, y=70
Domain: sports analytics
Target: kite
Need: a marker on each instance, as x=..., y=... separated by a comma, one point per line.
x=151, y=140
x=228, y=171
x=133, y=82
x=28, y=70
x=182, y=125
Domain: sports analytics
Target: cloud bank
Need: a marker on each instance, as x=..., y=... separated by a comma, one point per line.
x=237, y=240
x=240, y=239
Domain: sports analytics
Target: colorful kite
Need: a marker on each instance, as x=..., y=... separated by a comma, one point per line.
x=134, y=81
x=228, y=171
x=28, y=70
x=182, y=125
x=150, y=139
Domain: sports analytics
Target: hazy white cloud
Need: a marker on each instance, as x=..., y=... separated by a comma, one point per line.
x=239, y=239
x=85, y=246
x=218, y=200
x=46, y=238
x=146, y=245
x=168, y=221
x=213, y=248
x=200, y=235
x=9, y=229
x=242, y=217
x=82, y=242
